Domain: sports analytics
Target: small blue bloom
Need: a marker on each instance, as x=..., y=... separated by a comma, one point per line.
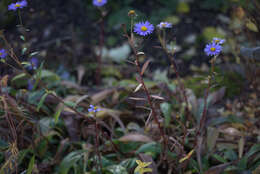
x=3, y=53
x=93, y=109
x=212, y=49
x=19, y=4
x=218, y=40
x=143, y=28
x=33, y=64
x=99, y=3
x=65, y=75
x=164, y=25
x=30, y=84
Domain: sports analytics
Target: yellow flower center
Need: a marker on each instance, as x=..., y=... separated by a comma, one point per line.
x=144, y=28
x=99, y=1
x=0, y=54
x=17, y=5
x=163, y=25
x=217, y=41
x=95, y=108
x=212, y=49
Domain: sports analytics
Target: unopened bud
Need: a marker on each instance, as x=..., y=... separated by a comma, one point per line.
x=131, y=13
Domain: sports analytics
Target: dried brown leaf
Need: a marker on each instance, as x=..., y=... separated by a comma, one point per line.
x=145, y=66
x=135, y=138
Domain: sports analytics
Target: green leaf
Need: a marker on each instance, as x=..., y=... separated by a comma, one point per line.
x=166, y=110
x=41, y=101
x=242, y=164
x=70, y=160
x=49, y=76
x=117, y=169
x=24, y=50
x=37, y=76
x=30, y=166
x=70, y=104
x=22, y=38
x=129, y=163
x=45, y=125
x=151, y=148
x=219, y=158
x=22, y=154
x=57, y=114
x=3, y=145
x=20, y=80
x=254, y=149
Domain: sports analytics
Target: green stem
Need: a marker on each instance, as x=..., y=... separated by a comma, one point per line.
x=20, y=17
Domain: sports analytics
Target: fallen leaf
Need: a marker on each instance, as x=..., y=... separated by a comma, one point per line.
x=135, y=138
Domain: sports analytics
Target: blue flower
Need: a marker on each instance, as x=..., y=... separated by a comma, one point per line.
x=212, y=49
x=93, y=109
x=30, y=84
x=3, y=53
x=143, y=28
x=164, y=25
x=99, y=3
x=33, y=64
x=19, y=4
x=218, y=40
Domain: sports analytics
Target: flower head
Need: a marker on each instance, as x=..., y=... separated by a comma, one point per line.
x=19, y=4
x=3, y=53
x=218, y=40
x=212, y=49
x=93, y=109
x=33, y=64
x=99, y=3
x=141, y=168
x=164, y=25
x=30, y=84
x=143, y=28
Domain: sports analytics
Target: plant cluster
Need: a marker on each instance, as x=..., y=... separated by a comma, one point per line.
x=87, y=133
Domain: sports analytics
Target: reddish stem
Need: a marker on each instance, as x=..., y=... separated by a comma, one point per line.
x=130, y=41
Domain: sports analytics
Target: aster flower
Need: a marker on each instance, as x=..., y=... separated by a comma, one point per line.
x=93, y=109
x=33, y=64
x=164, y=25
x=143, y=28
x=19, y=4
x=3, y=53
x=99, y=3
x=30, y=84
x=218, y=40
x=212, y=49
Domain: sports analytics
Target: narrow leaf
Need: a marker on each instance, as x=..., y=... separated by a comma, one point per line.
x=22, y=38
x=30, y=166
x=145, y=66
x=187, y=156
x=57, y=114
x=138, y=87
x=157, y=97
x=41, y=101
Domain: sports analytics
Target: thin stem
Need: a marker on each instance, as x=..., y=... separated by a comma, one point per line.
x=204, y=114
x=175, y=69
x=97, y=146
x=20, y=17
x=131, y=43
x=201, y=130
